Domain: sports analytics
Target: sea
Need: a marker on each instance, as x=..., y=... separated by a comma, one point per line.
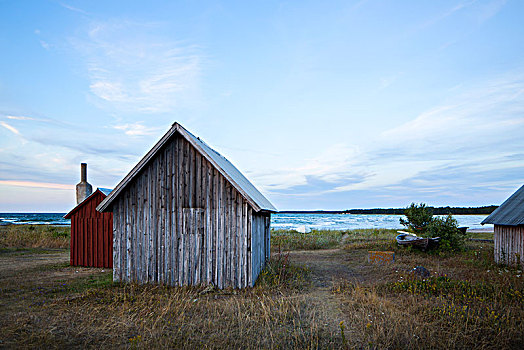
x=278, y=221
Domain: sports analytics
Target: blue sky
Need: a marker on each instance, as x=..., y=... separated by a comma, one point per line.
x=322, y=104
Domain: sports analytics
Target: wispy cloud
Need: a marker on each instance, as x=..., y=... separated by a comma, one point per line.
x=489, y=9
x=447, y=13
x=472, y=139
x=15, y=117
x=44, y=44
x=47, y=150
x=37, y=184
x=10, y=128
x=74, y=9
x=137, y=129
x=132, y=67
x=479, y=114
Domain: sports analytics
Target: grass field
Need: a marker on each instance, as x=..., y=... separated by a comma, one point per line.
x=34, y=236
x=317, y=292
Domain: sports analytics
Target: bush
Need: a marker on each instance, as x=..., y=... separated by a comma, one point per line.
x=418, y=218
x=447, y=229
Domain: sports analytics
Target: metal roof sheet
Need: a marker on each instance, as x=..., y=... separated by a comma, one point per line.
x=228, y=170
x=510, y=213
x=105, y=191
x=235, y=175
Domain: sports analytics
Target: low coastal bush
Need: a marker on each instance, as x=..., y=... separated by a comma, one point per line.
x=447, y=229
x=420, y=221
x=34, y=236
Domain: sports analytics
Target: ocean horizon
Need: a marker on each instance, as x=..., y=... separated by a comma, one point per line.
x=279, y=221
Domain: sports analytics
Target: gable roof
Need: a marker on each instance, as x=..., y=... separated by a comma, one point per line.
x=228, y=170
x=510, y=213
x=104, y=191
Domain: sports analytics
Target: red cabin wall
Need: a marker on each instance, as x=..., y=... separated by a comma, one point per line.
x=92, y=235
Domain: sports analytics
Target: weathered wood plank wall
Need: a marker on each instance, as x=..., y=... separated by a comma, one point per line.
x=509, y=244
x=180, y=222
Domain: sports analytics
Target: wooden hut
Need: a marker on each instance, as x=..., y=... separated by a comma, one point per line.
x=185, y=215
x=508, y=221
x=91, y=232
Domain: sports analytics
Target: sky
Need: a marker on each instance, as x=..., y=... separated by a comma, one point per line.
x=321, y=104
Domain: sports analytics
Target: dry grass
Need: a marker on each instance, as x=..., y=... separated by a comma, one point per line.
x=339, y=301
x=93, y=312
x=286, y=240
x=466, y=302
x=317, y=239
x=155, y=316
x=34, y=236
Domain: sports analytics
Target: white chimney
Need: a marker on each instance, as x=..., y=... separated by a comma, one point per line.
x=83, y=189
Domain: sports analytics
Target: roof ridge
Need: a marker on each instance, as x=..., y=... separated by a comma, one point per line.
x=510, y=212
x=255, y=198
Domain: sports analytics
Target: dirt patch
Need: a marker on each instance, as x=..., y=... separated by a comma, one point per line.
x=326, y=266
x=12, y=261
x=30, y=277
x=330, y=268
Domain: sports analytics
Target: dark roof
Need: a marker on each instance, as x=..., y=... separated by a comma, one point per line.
x=104, y=191
x=224, y=166
x=510, y=213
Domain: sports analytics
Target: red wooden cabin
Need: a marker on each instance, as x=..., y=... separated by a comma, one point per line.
x=91, y=232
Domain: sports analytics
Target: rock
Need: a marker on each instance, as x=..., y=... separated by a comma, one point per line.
x=303, y=229
x=421, y=271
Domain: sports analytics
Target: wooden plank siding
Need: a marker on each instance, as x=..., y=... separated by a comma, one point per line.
x=509, y=244
x=180, y=222
x=91, y=234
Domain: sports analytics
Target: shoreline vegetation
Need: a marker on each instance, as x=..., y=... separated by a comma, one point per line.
x=317, y=291
x=485, y=210
x=35, y=236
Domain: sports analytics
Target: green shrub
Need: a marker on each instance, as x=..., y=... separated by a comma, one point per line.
x=420, y=221
x=447, y=229
x=418, y=218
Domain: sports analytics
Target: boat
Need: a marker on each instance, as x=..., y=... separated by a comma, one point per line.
x=409, y=239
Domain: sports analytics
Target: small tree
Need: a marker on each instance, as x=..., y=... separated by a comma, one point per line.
x=447, y=229
x=418, y=218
